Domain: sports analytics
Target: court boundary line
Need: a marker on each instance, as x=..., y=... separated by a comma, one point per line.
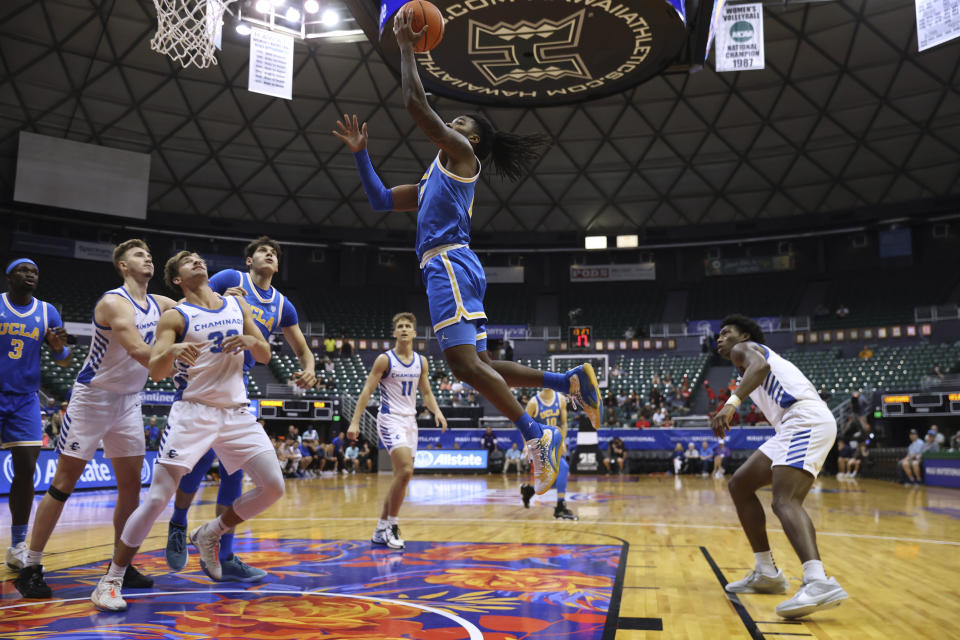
x=471, y=629
x=413, y=521
x=738, y=606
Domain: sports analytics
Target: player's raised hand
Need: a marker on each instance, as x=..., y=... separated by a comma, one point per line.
x=237, y=291
x=352, y=133
x=238, y=343
x=305, y=379
x=403, y=29
x=187, y=352
x=56, y=337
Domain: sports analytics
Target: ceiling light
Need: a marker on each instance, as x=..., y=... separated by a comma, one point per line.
x=311, y=6
x=277, y=3
x=628, y=242
x=292, y=14
x=330, y=17
x=263, y=6
x=595, y=242
x=243, y=29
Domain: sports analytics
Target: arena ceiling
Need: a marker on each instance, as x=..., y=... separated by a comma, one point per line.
x=846, y=115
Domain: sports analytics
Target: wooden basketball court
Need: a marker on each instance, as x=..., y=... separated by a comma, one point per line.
x=648, y=559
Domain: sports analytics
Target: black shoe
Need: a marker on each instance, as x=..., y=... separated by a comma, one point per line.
x=562, y=513
x=526, y=492
x=30, y=582
x=133, y=579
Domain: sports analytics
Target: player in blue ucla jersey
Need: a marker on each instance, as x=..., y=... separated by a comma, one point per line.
x=25, y=324
x=272, y=312
x=451, y=272
x=550, y=408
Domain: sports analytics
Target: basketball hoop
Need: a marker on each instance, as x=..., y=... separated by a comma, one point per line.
x=187, y=30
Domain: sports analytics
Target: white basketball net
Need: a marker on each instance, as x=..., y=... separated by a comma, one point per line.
x=186, y=30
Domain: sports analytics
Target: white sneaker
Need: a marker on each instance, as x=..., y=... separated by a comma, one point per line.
x=379, y=536
x=394, y=541
x=107, y=596
x=207, y=542
x=756, y=582
x=17, y=556
x=813, y=596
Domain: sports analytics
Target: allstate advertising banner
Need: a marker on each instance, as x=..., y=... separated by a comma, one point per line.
x=454, y=459
x=942, y=472
x=633, y=439
x=97, y=475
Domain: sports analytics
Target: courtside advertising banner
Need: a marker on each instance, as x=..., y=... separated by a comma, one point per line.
x=430, y=459
x=98, y=473
x=941, y=472
x=740, y=38
x=612, y=272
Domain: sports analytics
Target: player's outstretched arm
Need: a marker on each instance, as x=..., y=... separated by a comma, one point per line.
x=429, y=400
x=306, y=378
x=164, y=302
x=450, y=141
x=532, y=408
x=748, y=357
x=376, y=373
x=251, y=340
x=166, y=349
x=115, y=312
x=354, y=135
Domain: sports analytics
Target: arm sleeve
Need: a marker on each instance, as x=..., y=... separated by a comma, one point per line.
x=380, y=197
x=223, y=280
x=289, y=316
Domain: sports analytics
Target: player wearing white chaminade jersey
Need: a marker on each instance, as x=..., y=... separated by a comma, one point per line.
x=784, y=386
x=108, y=365
x=216, y=378
x=398, y=386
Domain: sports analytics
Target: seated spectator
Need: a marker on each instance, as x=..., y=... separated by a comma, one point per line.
x=706, y=455
x=692, y=458
x=366, y=457
x=719, y=453
x=445, y=384
x=847, y=462
x=513, y=459
x=711, y=396
x=351, y=456
x=753, y=416
x=940, y=438
x=955, y=442
x=328, y=365
x=306, y=459
x=611, y=420
x=292, y=457
x=667, y=420
x=824, y=394
x=678, y=458
x=642, y=422
x=911, y=462
x=659, y=415
x=330, y=461
x=866, y=353
x=616, y=455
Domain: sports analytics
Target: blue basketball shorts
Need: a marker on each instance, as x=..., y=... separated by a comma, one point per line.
x=20, y=422
x=456, y=284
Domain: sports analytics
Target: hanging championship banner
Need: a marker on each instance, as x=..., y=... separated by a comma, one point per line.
x=271, y=64
x=937, y=22
x=740, y=38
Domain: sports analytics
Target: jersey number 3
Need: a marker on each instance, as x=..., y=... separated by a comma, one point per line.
x=17, y=349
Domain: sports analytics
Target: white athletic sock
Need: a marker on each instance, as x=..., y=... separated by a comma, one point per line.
x=116, y=572
x=382, y=524
x=813, y=570
x=765, y=564
x=34, y=557
x=392, y=520
x=218, y=526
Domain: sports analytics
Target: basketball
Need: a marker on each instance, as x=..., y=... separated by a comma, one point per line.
x=425, y=13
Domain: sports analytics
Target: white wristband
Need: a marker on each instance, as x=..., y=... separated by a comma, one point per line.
x=733, y=400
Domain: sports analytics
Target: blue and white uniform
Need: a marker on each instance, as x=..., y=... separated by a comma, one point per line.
x=397, y=418
x=451, y=271
x=210, y=406
x=270, y=309
x=105, y=402
x=805, y=427
x=23, y=330
x=549, y=414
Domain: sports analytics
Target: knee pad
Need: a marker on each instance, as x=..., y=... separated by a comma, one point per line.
x=58, y=495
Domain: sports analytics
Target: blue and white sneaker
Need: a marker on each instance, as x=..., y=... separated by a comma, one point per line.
x=585, y=390
x=545, y=452
x=176, y=551
x=233, y=569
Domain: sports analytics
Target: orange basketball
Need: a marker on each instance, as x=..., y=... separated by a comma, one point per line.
x=425, y=13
